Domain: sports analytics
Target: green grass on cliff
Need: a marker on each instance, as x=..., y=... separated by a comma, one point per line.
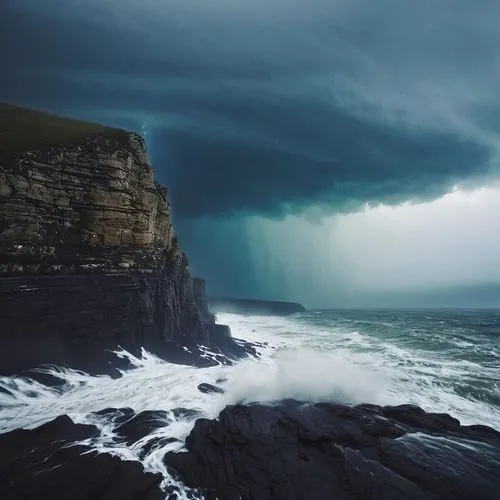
x=23, y=130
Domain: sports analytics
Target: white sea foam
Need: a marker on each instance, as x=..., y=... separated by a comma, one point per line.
x=304, y=374
x=303, y=360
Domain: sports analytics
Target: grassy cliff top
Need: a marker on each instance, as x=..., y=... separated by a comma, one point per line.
x=23, y=130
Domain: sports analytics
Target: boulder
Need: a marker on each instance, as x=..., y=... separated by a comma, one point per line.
x=48, y=463
x=325, y=451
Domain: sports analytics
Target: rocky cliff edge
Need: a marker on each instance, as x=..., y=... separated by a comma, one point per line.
x=89, y=260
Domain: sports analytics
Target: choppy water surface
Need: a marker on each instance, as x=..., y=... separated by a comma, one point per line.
x=441, y=360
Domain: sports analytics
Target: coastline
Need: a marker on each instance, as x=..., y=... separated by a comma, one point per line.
x=90, y=266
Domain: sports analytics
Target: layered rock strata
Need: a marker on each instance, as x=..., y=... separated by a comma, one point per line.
x=89, y=260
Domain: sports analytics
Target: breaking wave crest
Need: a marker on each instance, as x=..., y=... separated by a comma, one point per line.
x=309, y=357
x=306, y=375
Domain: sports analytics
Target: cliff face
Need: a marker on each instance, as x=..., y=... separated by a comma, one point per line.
x=88, y=256
x=90, y=207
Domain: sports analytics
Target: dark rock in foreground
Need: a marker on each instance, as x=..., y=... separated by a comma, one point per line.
x=141, y=425
x=325, y=451
x=291, y=451
x=251, y=306
x=43, y=464
x=210, y=389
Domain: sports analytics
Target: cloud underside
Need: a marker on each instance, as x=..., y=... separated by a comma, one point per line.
x=268, y=110
x=362, y=165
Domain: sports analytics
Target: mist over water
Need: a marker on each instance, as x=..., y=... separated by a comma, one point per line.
x=306, y=375
x=444, y=361
x=440, y=254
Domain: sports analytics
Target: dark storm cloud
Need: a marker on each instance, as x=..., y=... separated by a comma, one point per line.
x=269, y=107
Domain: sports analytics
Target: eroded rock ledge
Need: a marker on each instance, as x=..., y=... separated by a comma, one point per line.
x=89, y=260
x=288, y=451
x=325, y=451
x=49, y=462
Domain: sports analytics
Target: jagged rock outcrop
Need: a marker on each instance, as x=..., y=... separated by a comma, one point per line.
x=88, y=257
x=331, y=451
x=200, y=297
x=48, y=462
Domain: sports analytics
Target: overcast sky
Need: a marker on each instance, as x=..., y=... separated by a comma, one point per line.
x=308, y=146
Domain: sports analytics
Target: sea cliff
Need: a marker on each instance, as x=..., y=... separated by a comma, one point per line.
x=89, y=260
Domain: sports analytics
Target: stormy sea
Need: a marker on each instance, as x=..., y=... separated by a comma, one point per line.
x=442, y=360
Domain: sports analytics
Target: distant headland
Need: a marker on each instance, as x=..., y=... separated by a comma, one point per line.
x=254, y=306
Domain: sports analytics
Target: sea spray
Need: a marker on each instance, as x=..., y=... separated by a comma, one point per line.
x=347, y=357
x=306, y=375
